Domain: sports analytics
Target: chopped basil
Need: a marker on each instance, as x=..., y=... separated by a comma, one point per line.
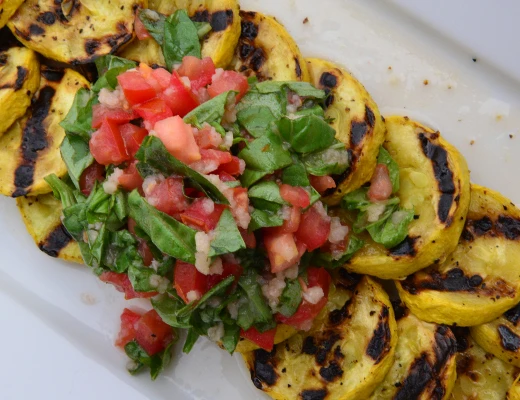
x=61, y=191
x=255, y=311
x=227, y=236
x=331, y=161
x=212, y=111
x=144, y=279
x=156, y=363
x=109, y=67
x=203, y=28
x=394, y=229
x=295, y=175
x=231, y=336
x=356, y=200
x=291, y=298
x=154, y=24
x=256, y=112
x=180, y=38
x=302, y=89
x=78, y=120
x=386, y=209
x=121, y=252
x=326, y=260
x=168, y=309
x=307, y=134
x=250, y=177
x=266, y=154
x=384, y=157
x=76, y=155
x=191, y=339
x=266, y=196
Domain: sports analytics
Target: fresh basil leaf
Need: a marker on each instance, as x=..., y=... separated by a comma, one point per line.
x=156, y=363
x=161, y=362
x=266, y=196
x=145, y=279
x=384, y=157
x=332, y=161
x=165, y=267
x=315, y=110
x=121, y=251
x=394, y=229
x=191, y=339
x=61, y=191
x=227, y=236
x=98, y=241
x=231, y=337
x=109, y=68
x=203, y=28
x=78, y=120
x=168, y=309
x=250, y=177
x=256, y=120
x=76, y=155
x=291, y=298
x=180, y=38
x=307, y=134
x=362, y=221
x=169, y=235
x=356, y=200
x=328, y=261
x=154, y=24
x=153, y=153
x=315, y=196
x=252, y=258
x=266, y=154
x=216, y=290
x=295, y=175
x=75, y=221
x=257, y=304
x=212, y=111
x=302, y=89
x=264, y=219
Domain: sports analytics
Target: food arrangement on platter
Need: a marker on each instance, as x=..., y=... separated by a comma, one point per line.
x=189, y=154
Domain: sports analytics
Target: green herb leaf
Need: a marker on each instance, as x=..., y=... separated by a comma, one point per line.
x=332, y=161
x=191, y=339
x=326, y=260
x=61, y=191
x=203, y=28
x=266, y=154
x=212, y=111
x=76, y=155
x=109, y=68
x=256, y=307
x=168, y=309
x=307, y=134
x=384, y=157
x=227, y=236
x=356, y=200
x=79, y=118
x=295, y=175
x=264, y=219
x=250, y=177
x=180, y=38
x=154, y=24
x=291, y=298
x=302, y=89
x=156, y=363
x=256, y=112
x=121, y=252
x=231, y=337
x=388, y=209
x=394, y=229
x=145, y=279
x=266, y=196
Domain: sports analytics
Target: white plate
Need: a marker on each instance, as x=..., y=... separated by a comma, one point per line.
x=59, y=322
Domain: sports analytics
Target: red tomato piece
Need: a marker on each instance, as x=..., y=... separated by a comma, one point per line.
x=123, y=285
x=225, y=177
x=101, y=112
x=179, y=98
x=162, y=77
x=178, y=139
x=322, y=183
x=295, y=195
x=199, y=217
x=133, y=136
x=228, y=80
x=93, y=173
x=131, y=179
x=153, y=110
x=380, y=184
x=281, y=250
x=228, y=270
x=264, y=340
x=168, y=196
x=291, y=225
x=314, y=228
x=232, y=167
x=140, y=31
x=152, y=334
x=126, y=334
x=199, y=71
x=107, y=145
x=208, y=138
x=306, y=311
x=249, y=238
x=187, y=278
x=135, y=87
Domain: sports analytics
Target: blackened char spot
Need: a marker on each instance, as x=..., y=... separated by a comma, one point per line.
x=257, y=60
x=443, y=174
x=245, y=50
x=509, y=227
x=318, y=394
x=35, y=30
x=445, y=347
x=34, y=139
x=91, y=46
x=331, y=372
x=337, y=317
x=56, y=241
x=47, y=18
x=400, y=310
x=329, y=100
x=220, y=20
x=467, y=235
x=509, y=340
x=369, y=116
x=263, y=369
x=201, y=16
x=118, y=40
x=7, y=40
x=309, y=347
x=328, y=80
x=53, y=75
x=325, y=346
x=298, y=67
x=419, y=375
x=21, y=74
x=358, y=130
x=249, y=30
x=379, y=343
x=3, y=59
x=482, y=226
x=405, y=248
x=461, y=336
x=513, y=315
x=348, y=280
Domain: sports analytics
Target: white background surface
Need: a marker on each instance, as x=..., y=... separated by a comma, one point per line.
x=57, y=345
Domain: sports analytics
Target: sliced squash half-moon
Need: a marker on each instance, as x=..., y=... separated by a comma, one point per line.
x=514, y=390
x=7, y=9
x=434, y=182
x=480, y=280
x=344, y=356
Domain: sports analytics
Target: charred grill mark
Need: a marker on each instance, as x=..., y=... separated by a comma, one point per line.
x=263, y=368
x=445, y=347
x=328, y=80
x=3, y=59
x=347, y=279
x=57, y=240
x=513, y=315
x=400, y=310
x=508, y=339
x=309, y=346
x=482, y=226
x=329, y=100
x=23, y=35
x=53, y=75
x=257, y=60
x=34, y=139
x=504, y=226
x=419, y=375
x=369, y=116
x=21, y=74
x=405, y=248
x=201, y=16
x=325, y=346
x=245, y=50
x=118, y=40
x=47, y=18
x=318, y=394
x=249, y=30
x=35, y=30
x=332, y=372
x=358, y=131
x=379, y=344
x=509, y=227
x=443, y=174
x=461, y=337
x=298, y=67
x=220, y=20
x=337, y=317
x=91, y=46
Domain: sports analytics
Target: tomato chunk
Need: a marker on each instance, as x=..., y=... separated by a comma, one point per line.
x=152, y=334
x=234, y=167
x=131, y=179
x=228, y=80
x=291, y=225
x=140, y=31
x=187, y=278
x=153, y=110
x=322, y=183
x=227, y=270
x=178, y=139
x=281, y=250
x=107, y=145
x=314, y=227
x=135, y=87
x=249, y=238
x=126, y=334
x=132, y=136
x=203, y=214
x=101, y=112
x=199, y=71
x=179, y=98
x=123, y=285
x=380, y=184
x=167, y=196
x=264, y=340
x=93, y=173
x=295, y=195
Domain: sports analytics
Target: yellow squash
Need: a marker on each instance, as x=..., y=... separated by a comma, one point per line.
x=75, y=32
x=283, y=332
x=30, y=149
x=480, y=280
x=514, y=391
x=7, y=9
x=345, y=355
x=266, y=50
x=434, y=182
x=42, y=217
x=19, y=80
x=357, y=122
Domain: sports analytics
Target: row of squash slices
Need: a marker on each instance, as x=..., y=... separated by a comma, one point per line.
x=458, y=267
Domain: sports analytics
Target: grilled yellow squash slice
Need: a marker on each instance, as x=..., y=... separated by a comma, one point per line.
x=357, y=122
x=501, y=337
x=19, y=80
x=219, y=44
x=480, y=280
x=42, y=217
x=480, y=375
x=266, y=50
x=7, y=9
x=514, y=391
x=424, y=367
x=75, y=32
x=283, y=332
x=345, y=355
x=30, y=149
x=434, y=182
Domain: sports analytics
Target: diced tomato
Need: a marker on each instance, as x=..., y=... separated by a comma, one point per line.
x=306, y=311
x=153, y=110
x=93, y=173
x=229, y=80
x=208, y=137
x=263, y=340
x=123, y=285
x=290, y=225
x=152, y=334
x=126, y=334
x=295, y=195
x=380, y=184
x=140, y=30
x=187, y=278
x=135, y=87
x=131, y=179
x=281, y=250
x=199, y=71
x=168, y=196
x=322, y=183
x=101, y=112
x=249, y=238
x=314, y=229
x=178, y=139
x=225, y=177
x=212, y=159
x=162, y=77
x=107, y=145
x=241, y=206
x=228, y=270
x=198, y=217
x=133, y=136
x=232, y=167
x=179, y=98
